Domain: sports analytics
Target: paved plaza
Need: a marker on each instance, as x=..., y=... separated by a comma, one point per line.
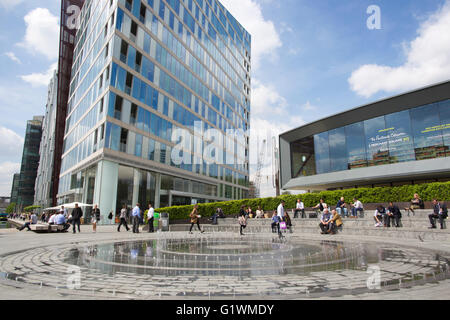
x=36, y=266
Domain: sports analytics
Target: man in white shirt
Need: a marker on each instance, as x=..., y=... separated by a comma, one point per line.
x=52, y=219
x=150, y=217
x=300, y=207
x=280, y=211
x=356, y=206
x=136, y=218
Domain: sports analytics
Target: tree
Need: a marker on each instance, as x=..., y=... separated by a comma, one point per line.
x=10, y=209
x=31, y=208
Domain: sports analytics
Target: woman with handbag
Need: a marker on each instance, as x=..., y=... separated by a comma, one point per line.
x=195, y=219
x=242, y=221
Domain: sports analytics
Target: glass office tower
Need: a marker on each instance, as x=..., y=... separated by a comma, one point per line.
x=142, y=70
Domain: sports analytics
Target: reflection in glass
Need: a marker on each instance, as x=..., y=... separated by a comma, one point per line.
x=356, y=146
x=376, y=141
x=338, y=150
x=303, y=159
x=444, y=113
x=427, y=134
x=401, y=145
x=322, y=150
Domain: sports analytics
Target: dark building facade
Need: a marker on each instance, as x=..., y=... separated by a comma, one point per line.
x=401, y=140
x=15, y=188
x=30, y=162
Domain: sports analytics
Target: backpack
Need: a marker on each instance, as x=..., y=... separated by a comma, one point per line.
x=110, y=216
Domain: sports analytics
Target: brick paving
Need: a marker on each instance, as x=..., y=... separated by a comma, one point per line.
x=39, y=262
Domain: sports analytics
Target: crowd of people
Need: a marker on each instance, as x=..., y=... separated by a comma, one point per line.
x=331, y=220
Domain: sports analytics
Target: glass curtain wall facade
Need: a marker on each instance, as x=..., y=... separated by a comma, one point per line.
x=30, y=162
x=44, y=181
x=143, y=69
x=416, y=134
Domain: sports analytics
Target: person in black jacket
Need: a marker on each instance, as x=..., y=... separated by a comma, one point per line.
x=440, y=212
x=393, y=214
x=77, y=213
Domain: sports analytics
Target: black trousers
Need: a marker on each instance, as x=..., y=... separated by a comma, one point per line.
x=26, y=225
x=76, y=223
x=299, y=210
x=433, y=218
x=198, y=226
x=150, y=225
x=242, y=228
x=324, y=227
x=123, y=221
x=136, y=224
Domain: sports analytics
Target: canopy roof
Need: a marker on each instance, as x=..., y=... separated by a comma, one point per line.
x=69, y=206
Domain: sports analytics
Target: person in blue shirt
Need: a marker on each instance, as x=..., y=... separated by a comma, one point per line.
x=60, y=220
x=325, y=221
x=276, y=223
x=136, y=214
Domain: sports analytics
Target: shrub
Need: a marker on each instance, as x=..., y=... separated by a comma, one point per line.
x=366, y=195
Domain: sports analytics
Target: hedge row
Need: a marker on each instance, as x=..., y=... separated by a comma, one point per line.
x=366, y=195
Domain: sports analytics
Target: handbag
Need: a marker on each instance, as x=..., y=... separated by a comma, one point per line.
x=110, y=216
x=283, y=225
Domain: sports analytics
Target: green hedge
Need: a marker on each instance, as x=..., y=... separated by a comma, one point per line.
x=366, y=195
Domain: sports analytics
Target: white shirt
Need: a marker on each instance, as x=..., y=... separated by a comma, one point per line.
x=358, y=204
x=280, y=211
x=300, y=205
x=150, y=213
x=52, y=219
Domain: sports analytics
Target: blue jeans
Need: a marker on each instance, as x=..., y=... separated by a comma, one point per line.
x=345, y=210
x=355, y=211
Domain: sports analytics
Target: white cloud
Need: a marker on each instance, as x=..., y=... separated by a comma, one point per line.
x=309, y=107
x=7, y=170
x=266, y=101
x=42, y=33
x=9, y=4
x=40, y=79
x=265, y=38
x=427, y=61
x=11, y=143
x=13, y=57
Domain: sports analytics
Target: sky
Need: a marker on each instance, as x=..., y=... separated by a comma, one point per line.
x=310, y=60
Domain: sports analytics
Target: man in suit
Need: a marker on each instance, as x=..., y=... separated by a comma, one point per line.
x=440, y=212
x=77, y=214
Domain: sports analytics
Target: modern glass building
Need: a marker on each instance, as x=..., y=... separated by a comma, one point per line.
x=396, y=141
x=30, y=162
x=44, y=182
x=142, y=69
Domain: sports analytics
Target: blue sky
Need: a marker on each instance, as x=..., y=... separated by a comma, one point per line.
x=311, y=59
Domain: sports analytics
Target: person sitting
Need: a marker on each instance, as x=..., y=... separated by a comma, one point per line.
x=325, y=221
x=215, y=216
x=259, y=213
x=276, y=223
x=335, y=222
x=341, y=207
x=379, y=216
x=250, y=213
x=416, y=203
x=288, y=221
x=357, y=206
x=60, y=220
x=440, y=212
x=32, y=220
x=51, y=221
x=321, y=206
x=394, y=214
x=300, y=207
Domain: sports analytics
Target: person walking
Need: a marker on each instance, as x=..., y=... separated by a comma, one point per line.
x=77, y=214
x=150, y=218
x=136, y=214
x=95, y=217
x=280, y=210
x=195, y=219
x=123, y=218
x=242, y=222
